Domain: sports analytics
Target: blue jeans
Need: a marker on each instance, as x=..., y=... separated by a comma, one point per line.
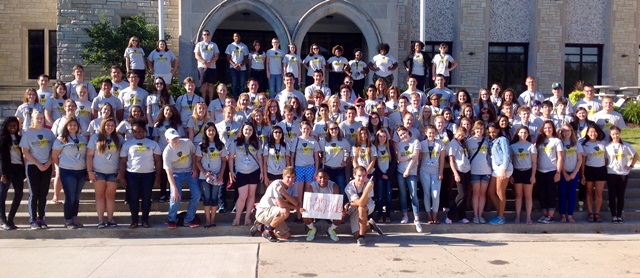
x=72, y=184
x=431, y=189
x=210, y=194
x=383, y=195
x=567, y=194
x=194, y=187
x=275, y=85
x=238, y=79
x=340, y=178
x=139, y=186
x=412, y=183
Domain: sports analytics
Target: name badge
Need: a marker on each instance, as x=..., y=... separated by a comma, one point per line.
x=78, y=156
x=108, y=156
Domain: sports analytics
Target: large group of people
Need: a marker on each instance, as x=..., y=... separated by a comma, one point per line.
x=338, y=137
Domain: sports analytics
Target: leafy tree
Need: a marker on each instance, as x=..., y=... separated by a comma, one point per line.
x=108, y=42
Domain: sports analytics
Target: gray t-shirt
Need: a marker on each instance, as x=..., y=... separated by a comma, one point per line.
x=153, y=104
x=211, y=159
x=334, y=152
x=139, y=154
x=406, y=149
x=353, y=193
x=415, y=134
x=316, y=188
x=548, y=154
x=246, y=157
x=479, y=164
x=291, y=130
x=522, y=153
x=276, y=158
x=24, y=111
x=198, y=129
x=159, y=130
x=125, y=128
x=619, y=156
x=271, y=194
x=364, y=159
x=305, y=150
x=56, y=106
x=107, y=162
x=73, y=155
x=115, y=102
x=130, y=97
x=384, y=158
x=14, y=151
x=228, y=132
x=431, y=151
x=460, y=156
x=350, y=131
x=594, y=153
x=39, y=143
x=570, y=161
x=179, y=159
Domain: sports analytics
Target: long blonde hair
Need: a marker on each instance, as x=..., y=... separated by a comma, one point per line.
x=101, y=145
x=360, y=142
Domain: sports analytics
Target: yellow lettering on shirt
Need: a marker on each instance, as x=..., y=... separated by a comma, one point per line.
x=214, y=155
x=306, y=150
x=599, y=153
x=139, y=148
x=385, y=157
x=522, y=155
x=571, y=151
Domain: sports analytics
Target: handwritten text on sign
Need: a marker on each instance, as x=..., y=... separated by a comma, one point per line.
x=322, y=206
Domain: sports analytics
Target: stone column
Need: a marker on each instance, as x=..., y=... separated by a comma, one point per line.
x=621, y=68
x=546, y=51
x=471, y=42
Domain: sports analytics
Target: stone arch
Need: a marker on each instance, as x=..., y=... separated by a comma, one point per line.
x=219, y=13
x=358, y=17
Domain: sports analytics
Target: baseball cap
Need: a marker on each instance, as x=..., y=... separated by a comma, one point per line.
x=556, y=85
x=171, y=134
x=537, y=103
x=359, y=100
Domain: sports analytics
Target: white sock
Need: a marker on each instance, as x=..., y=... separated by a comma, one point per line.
x=311, y=227
x=332, y=227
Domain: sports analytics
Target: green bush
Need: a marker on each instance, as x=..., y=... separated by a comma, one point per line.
x=576, y=96
x=631, y=112
x=96, y=81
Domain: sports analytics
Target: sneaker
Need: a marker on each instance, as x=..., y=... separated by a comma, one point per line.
x=482, y=221
x=405, y=220
x=43, y=225
x=172, y=225
x=112, y=224
x=542, y=218
x=361, y=242
x=79, y=225
x=256, y=228
x=476, y=220
x=163, y=199
x=192, y=224
x=464, y=221
x=497, y=221
x=614, y=220
x=548, y=220
x=375, y=226
x=333, y=236
x=448, y=220
x=311, y=234
x=12, y=226
x=35, y=226
x=101, y=225
x=71, y=226
x=620, y=221
x=269, y=235
x=418, y=226
x=5, y=226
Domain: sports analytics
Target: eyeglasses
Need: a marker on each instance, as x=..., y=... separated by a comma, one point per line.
x=333, y=128
x=159, y=83
x=205, y=34
x=315, y=48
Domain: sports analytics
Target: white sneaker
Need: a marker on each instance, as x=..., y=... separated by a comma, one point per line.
x=311, y=234
x=405, y=220
x=482, y=221
x=541, y=219
x=332, y=234
x=418, y=226
x=464, y=221
x=448, y=221
x=476, y=220
x=361, y=242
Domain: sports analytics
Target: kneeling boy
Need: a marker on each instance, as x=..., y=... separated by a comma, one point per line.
x=274, y=207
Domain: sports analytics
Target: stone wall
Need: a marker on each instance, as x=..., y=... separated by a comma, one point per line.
x=75, y=15
x=625, y=37
x=470, y=51
x=547, y=49
x=15, y=22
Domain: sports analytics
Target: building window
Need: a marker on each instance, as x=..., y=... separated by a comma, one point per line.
x=508, y=65
x=582, y=63
x=42, y=53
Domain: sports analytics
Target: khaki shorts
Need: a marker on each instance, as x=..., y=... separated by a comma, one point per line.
x=354, y=222
x=265, y=216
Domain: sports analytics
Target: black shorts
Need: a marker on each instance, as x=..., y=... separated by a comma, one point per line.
x=595, y=173
x=207, y=75
x=244, y=179
x=521, y=176
x=273, y=177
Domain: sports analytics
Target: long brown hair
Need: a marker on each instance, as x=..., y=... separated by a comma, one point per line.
x=65, y=131
x=366, y=143
x=101, y=144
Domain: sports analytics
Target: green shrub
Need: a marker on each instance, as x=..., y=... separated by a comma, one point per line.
x=96, y=81
x=631, y=112
x=576, y=96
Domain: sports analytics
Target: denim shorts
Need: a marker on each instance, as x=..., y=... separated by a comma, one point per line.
x=480, y=178
x=305, y=173
x=106, y=177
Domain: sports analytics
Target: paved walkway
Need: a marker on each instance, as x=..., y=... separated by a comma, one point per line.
x=407, y=255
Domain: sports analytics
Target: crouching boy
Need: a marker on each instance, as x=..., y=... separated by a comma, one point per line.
x=322, y=184
x=274, y=207
x=360, y=194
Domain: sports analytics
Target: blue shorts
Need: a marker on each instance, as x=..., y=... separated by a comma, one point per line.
x=480, y=178
x=305, y=173
x=106, y=177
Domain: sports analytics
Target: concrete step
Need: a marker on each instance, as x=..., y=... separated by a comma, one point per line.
x=159, y=230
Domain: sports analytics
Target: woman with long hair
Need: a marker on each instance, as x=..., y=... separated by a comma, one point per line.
x=103, y=151
x=572, y=162
x=30, y=103
x=105, y=112
x=305, y=157
x=245, y=154
x=418, y=63
x=322, y=120
x=272, y=112
x=363, y=152
x=335, y=154
x=211, y=160
x=408, y=154
x=550, y=162
x=263, y=129
x=479, y=146
x=134, y=59
x=525, y=163
x=12, y=170
x=258, y=63
x=69, y=153
x=501, y=171
x=391, y=99
x=54, y=107
x=385, y=166
x=432, y=157
x=594, y=169
x=36, y=146
x=157, y=99
x=484, y=102
x=162, y=62
x=275, y=155
x=197, y=122
x=135, y=114
x=618, y=153
x=313, y=62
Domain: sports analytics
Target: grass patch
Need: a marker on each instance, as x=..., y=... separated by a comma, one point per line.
x=632, y=136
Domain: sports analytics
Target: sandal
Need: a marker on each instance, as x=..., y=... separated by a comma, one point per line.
x=387, y=220
x=435, y=222
x=248, y=223
x=235, y=223
x=591, y=217
x=597, y=218
x=570, y=219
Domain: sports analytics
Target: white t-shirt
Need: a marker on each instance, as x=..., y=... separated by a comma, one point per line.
x=460, y=156
x=257, y=60
x=357, y=69
x=570, y=161
x=207, y=51
x=592, y=106
x=71, y=90
x=334, y=152
x=136, y=57
x=185, y=105
x=271, y=194
x=522, y=153
x=337, y=63
x=442, y=63
x=130, y=97
x=619, y=156
x=315, y=62
x=594, y=153
x=548, y=155
x=162, y=61
x=292, y=64
x=275, y=61
x=237, y=52
x=479, y=164
x=383, y=62
x=405, y=149
x=431, y=151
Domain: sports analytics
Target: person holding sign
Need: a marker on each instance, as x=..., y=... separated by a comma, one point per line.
x=273, y=209
x=323, y=185
x=361, y=204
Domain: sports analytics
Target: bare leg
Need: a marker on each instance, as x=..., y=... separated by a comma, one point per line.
x=519, y=194
x=251, y=199
x=99, y=187
x=242, y=198
x=110, y=199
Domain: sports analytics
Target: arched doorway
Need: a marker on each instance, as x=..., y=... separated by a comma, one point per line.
x=337, y=22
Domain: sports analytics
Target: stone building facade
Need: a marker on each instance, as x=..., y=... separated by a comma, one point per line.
x=545, y=27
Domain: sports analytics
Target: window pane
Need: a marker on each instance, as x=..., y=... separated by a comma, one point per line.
x=35, y=53
x=589, y=59
x=496, y=57
x=497, y=49
x=572, y=58
x=53, y=55
x=590, y=50
x=572, y=50
x=516, y=57
x=516, y=49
